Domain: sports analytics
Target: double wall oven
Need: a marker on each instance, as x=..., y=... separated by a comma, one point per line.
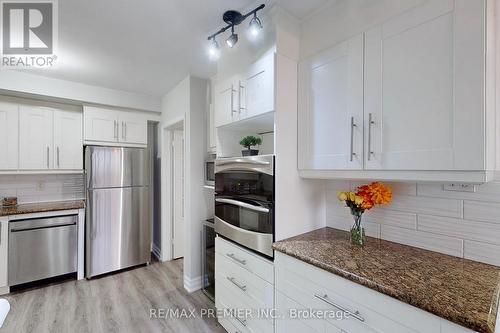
x=244, y=201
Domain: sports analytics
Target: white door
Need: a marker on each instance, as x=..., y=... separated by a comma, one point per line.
x=424, y=89
x=101, y=124
x=256, y=90
x=178, y=193
x=68, y=140
x=35, y=138
x=226, y=102
x=133, y=128
x=9, y=136
x=4, y=238
x=330, y=119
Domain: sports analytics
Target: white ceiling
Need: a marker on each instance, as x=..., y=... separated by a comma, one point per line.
x=144, y=46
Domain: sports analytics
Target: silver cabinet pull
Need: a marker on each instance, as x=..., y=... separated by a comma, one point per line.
x=242, y=321
x=114, y=129
x=370, y=123
x=240, y=87
x=48, y=152
x=240, y=261
x=123, y=130
x=233, y=281
x=232, y=100
x=352, y=153
x=58, y=164
x=354, y=314
x=243, y=205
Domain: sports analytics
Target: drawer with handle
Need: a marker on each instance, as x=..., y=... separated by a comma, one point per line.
x=366, y=310
x=231, y=276
x=245, y=259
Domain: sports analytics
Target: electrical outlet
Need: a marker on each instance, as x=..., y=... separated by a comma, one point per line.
x=460, y=187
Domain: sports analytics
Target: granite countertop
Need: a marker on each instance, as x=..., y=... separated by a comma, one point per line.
x=41, y=207
x=460, y=290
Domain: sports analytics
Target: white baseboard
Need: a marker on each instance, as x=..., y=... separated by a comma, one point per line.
x=156, y=251
x=4, y=290
x=192, y=285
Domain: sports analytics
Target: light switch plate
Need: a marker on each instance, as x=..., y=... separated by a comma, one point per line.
x=459, y=187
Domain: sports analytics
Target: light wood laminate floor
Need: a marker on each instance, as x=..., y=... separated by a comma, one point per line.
x=120, y=302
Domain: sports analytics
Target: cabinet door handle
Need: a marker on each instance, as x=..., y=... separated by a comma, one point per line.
x=58, y=164
x=240, y=261
x=125, y=129
x=240, y=286
x=370, y=123
x=48, y=152
x=232, y=100
x=242, y=321
x=354, y=314
x=240, y=88
x=352, y=153
x=114, y=129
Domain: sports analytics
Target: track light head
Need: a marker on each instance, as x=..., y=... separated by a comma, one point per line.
x=233, y=39
x=255, y=26
x=214, y=50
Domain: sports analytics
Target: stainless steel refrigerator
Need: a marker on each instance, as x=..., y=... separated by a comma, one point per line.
x=117, y=214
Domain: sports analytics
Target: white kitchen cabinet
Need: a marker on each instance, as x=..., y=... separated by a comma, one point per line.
x=133, y=128
x=420, y=112
x=100, y=124
x=68, y=140
x=226, y=101
x=109, y=126
x=35, y=138
x=301, y=286
x=331, y=108
x=424, y=89
x=4, y=246
x=9, y=138
x=256, y=88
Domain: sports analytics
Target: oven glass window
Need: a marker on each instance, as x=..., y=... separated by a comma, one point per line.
x=245, y=218
x=252, y=186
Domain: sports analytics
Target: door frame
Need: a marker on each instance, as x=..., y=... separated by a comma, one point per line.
x=167, y=216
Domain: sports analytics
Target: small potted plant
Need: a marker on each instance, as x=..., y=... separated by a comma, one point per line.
x=249, y=142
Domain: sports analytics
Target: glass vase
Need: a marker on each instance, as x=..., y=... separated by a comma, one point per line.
x=357, y=230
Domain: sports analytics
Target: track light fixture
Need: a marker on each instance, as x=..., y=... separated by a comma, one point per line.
x=233, y=18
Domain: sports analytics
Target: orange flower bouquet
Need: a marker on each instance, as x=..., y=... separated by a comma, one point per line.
x=364, y=198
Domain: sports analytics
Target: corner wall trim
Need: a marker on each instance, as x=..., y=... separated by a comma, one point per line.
x=192, y=285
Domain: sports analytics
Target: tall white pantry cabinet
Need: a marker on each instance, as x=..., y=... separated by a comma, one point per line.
x=411, y=99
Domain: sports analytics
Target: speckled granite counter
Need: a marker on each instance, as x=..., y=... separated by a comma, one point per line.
x=462, y=291
x=41, y=207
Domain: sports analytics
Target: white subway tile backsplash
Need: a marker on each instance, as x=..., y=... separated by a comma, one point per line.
x=463, y=224
x=482, y=211
x=427, y=241
x=463, y=229
x=482, y=252
x=42, y=188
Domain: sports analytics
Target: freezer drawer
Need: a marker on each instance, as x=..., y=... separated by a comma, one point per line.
x=117, y=229
x=42, y=248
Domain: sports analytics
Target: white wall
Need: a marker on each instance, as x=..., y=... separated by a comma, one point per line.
x=36, y=86
x=187, y=102
x=423, y=215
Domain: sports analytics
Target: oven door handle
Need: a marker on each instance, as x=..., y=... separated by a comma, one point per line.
x=243, y=204
x=242, y=161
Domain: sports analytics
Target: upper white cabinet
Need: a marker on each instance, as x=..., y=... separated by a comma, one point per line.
x=115, y=127
x=50, y=139
x=68, y=140
x=405, y=100
x=247, y=94
x=35, y=138
x=331, y=104
x=9, y=147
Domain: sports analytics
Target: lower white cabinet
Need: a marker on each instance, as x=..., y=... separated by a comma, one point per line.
x=300, y=286
x=4, y=246
x=244, y=289
x=9, y=138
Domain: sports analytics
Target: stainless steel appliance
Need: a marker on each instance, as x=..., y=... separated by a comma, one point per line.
x=244, y=201
x=117, y=225
x=210, y=171
x=208, y=258
x=42, y=248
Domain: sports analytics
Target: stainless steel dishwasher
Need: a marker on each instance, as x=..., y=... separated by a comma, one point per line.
x=42, y=248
